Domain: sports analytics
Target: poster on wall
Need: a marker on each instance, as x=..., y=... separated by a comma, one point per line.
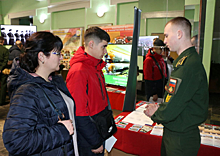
x=72, y=39
x=120, y=34
x=144, y=43
x=12, y=33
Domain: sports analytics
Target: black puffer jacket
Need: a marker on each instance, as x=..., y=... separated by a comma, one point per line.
x=31, y=126
x=14, y=52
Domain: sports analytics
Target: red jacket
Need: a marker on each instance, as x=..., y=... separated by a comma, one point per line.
x=86, y=84
x=86, y=74
x=150, y=69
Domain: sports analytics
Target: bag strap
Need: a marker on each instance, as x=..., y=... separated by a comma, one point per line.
x=109, y=106
x=158, y=66
x=163, y=77
x=52, y=104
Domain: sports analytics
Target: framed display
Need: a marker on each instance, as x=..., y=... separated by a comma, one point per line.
x=12, y=33
x=117, y=67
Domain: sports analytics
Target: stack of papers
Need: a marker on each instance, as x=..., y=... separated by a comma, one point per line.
x=138, y=117
x=157, y=130
x=207, y=139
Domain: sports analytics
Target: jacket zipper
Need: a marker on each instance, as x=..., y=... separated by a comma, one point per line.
x=103, y=97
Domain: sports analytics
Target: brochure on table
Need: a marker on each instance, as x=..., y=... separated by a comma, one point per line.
x=137, y=121
x=210, y=135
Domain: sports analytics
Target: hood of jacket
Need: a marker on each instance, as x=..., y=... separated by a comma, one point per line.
x=149, y=54
x=14, y=47
x=19, y=76
x=82, y=56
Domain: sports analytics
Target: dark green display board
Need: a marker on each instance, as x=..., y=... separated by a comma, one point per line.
x=130, y=96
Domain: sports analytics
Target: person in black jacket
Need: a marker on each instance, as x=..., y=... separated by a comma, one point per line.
x=32, y=126
x=15, y=50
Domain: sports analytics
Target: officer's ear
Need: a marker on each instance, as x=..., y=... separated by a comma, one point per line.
x=179, y=34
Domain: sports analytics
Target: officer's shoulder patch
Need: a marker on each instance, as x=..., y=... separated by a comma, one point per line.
x=181, y=61
x=168, y=97
x=173, y=85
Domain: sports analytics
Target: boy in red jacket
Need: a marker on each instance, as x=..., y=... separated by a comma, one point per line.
x=86, y=84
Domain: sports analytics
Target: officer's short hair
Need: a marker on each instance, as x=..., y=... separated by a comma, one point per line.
x=96, y=34
x=182, y=22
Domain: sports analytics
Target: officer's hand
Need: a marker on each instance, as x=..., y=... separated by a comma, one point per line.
x=150, y=109
x=98, y=150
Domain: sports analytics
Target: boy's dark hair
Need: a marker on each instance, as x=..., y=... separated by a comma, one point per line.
x=96, y=34
x=38, y=42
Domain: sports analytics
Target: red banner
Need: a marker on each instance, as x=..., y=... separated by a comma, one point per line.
x=120, y=34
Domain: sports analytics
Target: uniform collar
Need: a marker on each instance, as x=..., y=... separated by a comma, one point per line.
x=184, y=55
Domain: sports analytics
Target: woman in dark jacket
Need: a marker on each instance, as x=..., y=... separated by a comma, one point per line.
x=32, y=126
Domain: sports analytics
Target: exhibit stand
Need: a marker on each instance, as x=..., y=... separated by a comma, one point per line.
x=145, y=139
x=116, y=96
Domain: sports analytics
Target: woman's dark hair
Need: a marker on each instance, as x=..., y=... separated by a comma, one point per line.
x=38, y=42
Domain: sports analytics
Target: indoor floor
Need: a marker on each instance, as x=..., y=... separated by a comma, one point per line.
x=213, y=118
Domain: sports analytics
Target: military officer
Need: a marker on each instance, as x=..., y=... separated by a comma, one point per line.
x=3, y=63
x=185, y=104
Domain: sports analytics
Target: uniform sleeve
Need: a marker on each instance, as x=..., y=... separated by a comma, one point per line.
x=77, y=85
x=147, y=69
x=174, y=104
x=23, y=134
